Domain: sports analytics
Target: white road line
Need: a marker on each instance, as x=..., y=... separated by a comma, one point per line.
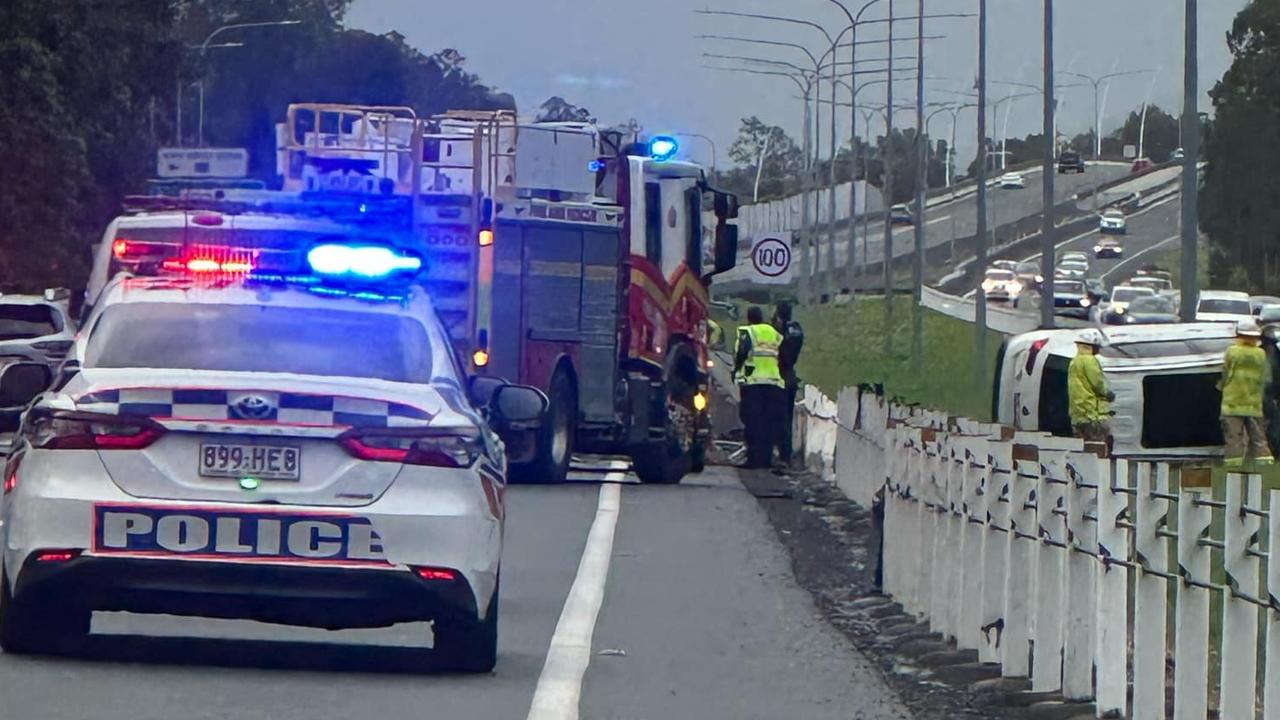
x=1139, y=254
x=559, y=689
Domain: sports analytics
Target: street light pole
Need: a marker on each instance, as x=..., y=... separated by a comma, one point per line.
x=1191, y=155
x=922, y=173
x=204, y=49
x=887, y=198
x=1046, y=231
x=980, y=258
x=1097, y=109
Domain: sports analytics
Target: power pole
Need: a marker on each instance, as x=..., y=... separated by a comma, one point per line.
x=1190, y=179
x=922, y=176
x=888, y=199
x=1046, y=231
x=980, y=258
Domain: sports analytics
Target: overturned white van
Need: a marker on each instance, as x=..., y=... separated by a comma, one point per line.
x=1164, y=377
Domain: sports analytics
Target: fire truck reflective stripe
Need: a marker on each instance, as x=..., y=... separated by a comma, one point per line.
x=217, y=534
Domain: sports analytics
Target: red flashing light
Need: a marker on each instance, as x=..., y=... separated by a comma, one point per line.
x=120, y=248
x=11, y=482
x=58, y=556
x=439, y=574
x=208, y=266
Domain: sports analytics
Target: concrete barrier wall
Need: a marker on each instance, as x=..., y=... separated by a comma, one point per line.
x=1063, y=565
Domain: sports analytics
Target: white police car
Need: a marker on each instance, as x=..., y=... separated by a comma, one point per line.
x=256, y=450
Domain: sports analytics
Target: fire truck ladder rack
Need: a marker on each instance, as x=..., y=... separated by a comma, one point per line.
x=389, y=137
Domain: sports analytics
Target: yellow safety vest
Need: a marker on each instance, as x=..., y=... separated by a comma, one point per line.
x=761, y=367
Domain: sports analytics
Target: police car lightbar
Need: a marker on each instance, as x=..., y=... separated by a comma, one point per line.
x=340, y=207
x=361, y=262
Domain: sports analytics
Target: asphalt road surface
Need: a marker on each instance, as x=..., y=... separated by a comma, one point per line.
x=960, y=218
x=1149, y=231
x=699, y=616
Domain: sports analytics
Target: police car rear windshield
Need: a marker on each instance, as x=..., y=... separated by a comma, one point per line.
x=23, y=322
x=256, y=338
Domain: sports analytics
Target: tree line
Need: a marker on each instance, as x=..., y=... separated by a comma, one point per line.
x=92, y=87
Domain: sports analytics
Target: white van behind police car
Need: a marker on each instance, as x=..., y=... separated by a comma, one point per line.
x=1164, y=378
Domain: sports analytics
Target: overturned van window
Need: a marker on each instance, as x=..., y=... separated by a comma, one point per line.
x=1168, y=348
x=1055, y=406
x=1181, y=410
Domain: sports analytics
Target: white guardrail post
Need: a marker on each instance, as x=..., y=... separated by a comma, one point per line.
x=1084, y=471
x=1050, y=567
x=1151, y=553
x=894, y=464
x=1191, y=629
x=948, y=573
x=1271, y=686
x=1112, y=650
x=1238, y=693
x=973, y=505
x=995, y=550
x=1020, y=588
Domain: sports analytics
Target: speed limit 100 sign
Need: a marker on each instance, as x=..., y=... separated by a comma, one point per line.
x=771, y=259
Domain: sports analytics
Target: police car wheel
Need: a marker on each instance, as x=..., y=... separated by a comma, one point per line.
x=27, y=627
x=469, y=644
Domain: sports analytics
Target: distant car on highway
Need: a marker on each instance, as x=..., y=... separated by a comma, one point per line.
x=1002, y=285
x=1269, y=317
x=1114, y=312
x=1070, y=161
x=1112, y=221
x=1223, y=306
x=1178, y=155
x=1097, y=290
x=1152, y=271
x=1070, y=297
x=1108, y=248
x=1072, y=269
x=1005, y=264
x=1141, y=165
x=901, y=215
x=1151, y=310
x=1012, y=181
x=1258, y=302
x=1073, y=255
x=1159, y=284
x=1029, y=274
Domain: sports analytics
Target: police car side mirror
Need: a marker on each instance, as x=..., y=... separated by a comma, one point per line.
x=22, y=382
x=726, y=247
x=518, y=405
x=481, y=388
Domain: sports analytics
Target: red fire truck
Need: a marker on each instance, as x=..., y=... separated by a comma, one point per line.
x=556, y=254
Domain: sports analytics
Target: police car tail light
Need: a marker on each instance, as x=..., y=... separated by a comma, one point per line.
x=52, y=556
x=416, y=446
x=441, y=574
x=90, y=431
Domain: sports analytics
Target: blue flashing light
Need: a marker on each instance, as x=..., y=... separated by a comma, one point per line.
x=663, y=148
x=595, y=166
x=367, y=262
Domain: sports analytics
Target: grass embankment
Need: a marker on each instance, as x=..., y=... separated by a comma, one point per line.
x=846, y=345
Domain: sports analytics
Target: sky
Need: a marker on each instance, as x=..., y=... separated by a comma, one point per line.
x=622, y=59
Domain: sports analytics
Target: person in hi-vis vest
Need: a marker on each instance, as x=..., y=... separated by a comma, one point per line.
x=761, y=389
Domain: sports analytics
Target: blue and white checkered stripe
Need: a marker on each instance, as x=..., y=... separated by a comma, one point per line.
x=287, y=408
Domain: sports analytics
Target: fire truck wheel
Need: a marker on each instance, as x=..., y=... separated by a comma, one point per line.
x=698, y=457
x=555, y=442
x=667, y=461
